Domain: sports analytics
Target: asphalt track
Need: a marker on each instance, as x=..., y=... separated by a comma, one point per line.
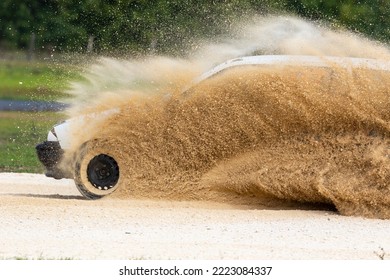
x=31, y=106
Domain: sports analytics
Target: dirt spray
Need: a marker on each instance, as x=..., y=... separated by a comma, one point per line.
x=261, y=137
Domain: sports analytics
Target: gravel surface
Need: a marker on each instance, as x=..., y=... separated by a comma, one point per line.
x=46, y=218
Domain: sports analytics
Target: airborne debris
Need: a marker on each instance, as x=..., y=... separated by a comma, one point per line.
x=313, y=136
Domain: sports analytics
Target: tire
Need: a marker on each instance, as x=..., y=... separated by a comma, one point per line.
x=97, y=173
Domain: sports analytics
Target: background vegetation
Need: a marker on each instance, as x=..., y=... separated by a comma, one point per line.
x=22, y=80
x=163, y=26
x=19, y=133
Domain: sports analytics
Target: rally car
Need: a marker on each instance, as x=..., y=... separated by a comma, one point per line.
x=99, y=174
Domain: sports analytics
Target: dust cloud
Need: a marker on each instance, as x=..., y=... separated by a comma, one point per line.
x=264, y=137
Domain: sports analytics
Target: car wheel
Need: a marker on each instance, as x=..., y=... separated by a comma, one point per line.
x=97, y=173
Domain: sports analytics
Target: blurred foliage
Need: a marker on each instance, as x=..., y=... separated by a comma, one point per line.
x=19, y=133
x=163, y=26
x=368, y=17
x=21, y=80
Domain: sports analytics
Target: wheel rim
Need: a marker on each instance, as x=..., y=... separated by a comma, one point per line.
x=103, y=172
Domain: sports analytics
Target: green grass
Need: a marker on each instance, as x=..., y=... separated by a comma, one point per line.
x=31, y=80
x=19, y=134
x=24, y=80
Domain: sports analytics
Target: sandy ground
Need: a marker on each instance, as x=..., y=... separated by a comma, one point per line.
x=45, y=218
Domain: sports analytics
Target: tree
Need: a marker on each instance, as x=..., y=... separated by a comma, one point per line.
x=164, y=26
x=369, y=17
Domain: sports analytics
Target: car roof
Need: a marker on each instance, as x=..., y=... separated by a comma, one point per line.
x=299, y=60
